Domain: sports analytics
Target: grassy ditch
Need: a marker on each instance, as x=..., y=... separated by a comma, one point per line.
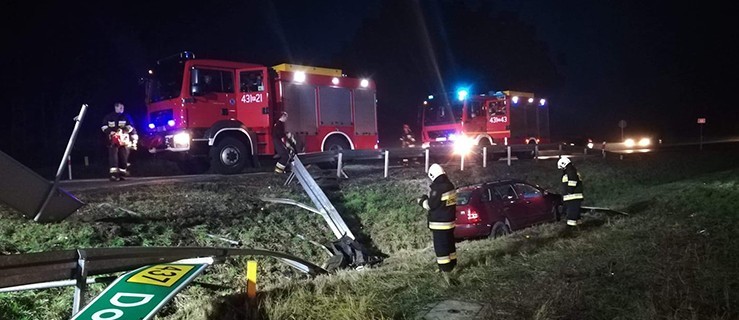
x=673, y=257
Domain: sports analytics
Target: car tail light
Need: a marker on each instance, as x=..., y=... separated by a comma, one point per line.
x=472, y=216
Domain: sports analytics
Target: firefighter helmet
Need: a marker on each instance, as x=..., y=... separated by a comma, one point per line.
x=563, y=162
x=435, y=171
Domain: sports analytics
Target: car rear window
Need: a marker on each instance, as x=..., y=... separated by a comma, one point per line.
x=463, y=198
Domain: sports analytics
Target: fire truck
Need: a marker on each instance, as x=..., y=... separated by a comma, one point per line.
x=502, y=117
x=219, y=114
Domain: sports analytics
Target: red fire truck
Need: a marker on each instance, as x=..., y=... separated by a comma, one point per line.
x=503, y=117
x=219, y=114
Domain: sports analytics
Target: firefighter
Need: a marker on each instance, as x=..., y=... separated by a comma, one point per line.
x=122, y=137
x=441, y=204
x=406, y=138
x=573, y=187
x=283, y=142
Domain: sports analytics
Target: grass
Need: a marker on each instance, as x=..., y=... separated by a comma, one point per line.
x=673, y=257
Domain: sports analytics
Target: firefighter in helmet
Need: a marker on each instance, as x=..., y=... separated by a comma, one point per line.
x=573, y=188
x=121, y=137
x=284, y=143
x=406, y=138
x=441, y=204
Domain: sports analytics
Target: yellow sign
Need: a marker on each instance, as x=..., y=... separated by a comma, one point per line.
x=164, y=275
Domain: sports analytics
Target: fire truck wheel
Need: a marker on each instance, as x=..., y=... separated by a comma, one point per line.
x=193, y=166
x=229, y=156
x=334, y=143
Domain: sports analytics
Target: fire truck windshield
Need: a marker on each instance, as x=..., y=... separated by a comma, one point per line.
x=165, y=82
x=436, y=113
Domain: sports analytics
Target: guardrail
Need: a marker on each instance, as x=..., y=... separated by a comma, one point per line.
x=23, y=269
x=481, y=153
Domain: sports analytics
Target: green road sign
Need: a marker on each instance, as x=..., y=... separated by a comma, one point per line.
x=139, y=294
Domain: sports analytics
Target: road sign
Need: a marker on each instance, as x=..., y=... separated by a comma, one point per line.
x=622, y=124
x=139, y=294
x=701, y=120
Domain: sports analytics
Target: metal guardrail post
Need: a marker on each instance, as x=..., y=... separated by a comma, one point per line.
x=585, y=151
x=536, y=152
x=426, y=168
x=338, y=166
x=60, y=170
x=81, y=282
x=484, y=157
x=509, y=156
x=387, y=161
x=560, y=149
x=461, y=162
x=69, y=166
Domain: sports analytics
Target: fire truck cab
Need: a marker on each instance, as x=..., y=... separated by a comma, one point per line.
x=220, y=114
x=502, y=117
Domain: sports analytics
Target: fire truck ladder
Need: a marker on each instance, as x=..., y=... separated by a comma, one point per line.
x=346, y=250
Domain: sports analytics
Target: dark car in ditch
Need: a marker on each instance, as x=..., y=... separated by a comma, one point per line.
x=496, y=208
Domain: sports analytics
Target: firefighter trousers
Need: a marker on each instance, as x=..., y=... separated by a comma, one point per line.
x=283, y=153
x=117, y=158
x=445, y=249
x=572, y=208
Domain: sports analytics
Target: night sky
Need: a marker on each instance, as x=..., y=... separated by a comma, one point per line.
x=657, y=65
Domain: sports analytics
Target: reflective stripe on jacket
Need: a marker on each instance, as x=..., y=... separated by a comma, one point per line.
x=572, y=184
x=442, y=204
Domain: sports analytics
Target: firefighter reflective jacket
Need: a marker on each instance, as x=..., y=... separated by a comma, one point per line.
x=572, y=184
x=442, y=204
x=115, y=121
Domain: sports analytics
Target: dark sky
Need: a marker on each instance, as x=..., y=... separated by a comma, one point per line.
x=657, y=65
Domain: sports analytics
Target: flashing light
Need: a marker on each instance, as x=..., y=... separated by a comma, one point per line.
x=462, y=94
x=170, y=123
x=151, y=71
x=425, y=103
x=514, y=99
x=335, y=81
x=364, y=83
x=542, y=102
x=299, y=76
x=152, y=126
x=431, y=97
x=531, y=100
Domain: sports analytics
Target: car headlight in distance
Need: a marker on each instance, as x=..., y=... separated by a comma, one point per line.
x=181, y=140
x=645, y=142
x=590, y=145
x=629, y=143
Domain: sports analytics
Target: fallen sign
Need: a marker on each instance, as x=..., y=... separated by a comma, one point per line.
x=24, y=190
x=139, y=294
x=34, y=196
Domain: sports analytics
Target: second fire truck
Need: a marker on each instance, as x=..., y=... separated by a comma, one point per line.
x=503, y=117
x=214, y=113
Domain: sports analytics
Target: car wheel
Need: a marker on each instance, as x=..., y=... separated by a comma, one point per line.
x=499, y=229
x=229, y=156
